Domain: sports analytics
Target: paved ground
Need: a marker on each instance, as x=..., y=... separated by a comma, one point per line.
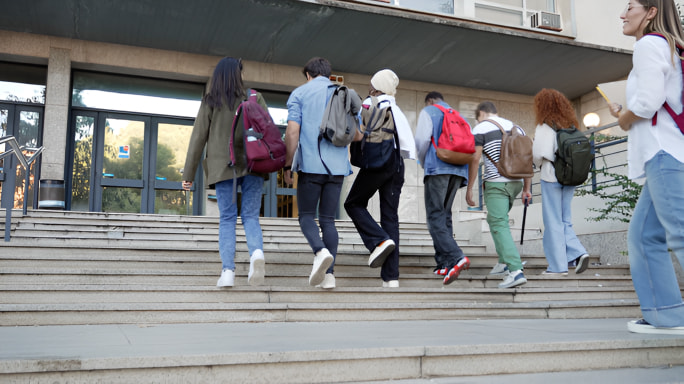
x=188, y=340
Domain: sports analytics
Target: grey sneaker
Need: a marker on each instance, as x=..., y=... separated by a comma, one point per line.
x=582, y=263
x=499, y=269
x=513, y=279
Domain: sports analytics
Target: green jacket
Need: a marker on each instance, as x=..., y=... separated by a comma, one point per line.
x=212, y=129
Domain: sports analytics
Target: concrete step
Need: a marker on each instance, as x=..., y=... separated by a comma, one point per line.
x=330, y=352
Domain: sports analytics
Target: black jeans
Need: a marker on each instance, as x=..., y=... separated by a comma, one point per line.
x=322, y=192
x=387, y=182
x=440, y=191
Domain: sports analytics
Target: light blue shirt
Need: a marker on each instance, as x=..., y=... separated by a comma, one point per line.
x=306, y=106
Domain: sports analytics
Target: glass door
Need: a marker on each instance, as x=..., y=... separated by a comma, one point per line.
x=25, y=124
x=122, y=164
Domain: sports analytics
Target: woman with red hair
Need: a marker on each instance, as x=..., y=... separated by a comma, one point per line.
x=562, y=248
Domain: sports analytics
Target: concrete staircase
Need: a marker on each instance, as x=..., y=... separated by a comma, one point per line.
x=73, y=268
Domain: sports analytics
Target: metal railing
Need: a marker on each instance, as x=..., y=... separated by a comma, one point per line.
x=26, y=163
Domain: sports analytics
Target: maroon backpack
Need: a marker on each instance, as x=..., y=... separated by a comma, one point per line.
x=678, y=119
x=264, y=146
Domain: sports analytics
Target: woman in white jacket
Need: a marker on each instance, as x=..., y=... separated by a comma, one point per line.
x=656, y=153
x=562, y=248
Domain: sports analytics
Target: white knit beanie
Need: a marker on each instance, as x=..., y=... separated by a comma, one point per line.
x=385, y=81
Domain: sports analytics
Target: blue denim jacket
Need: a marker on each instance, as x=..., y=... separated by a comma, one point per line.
x=305, y=107
x=433, y=165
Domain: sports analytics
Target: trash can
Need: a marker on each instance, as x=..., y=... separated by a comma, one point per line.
x=51, y=194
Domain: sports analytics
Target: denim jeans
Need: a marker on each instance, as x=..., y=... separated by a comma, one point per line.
x=440, y=191
x=387, y=182
x=323, y=192
x=252, y=187
x=499, y=198
x=561, y=244
x=658, y=224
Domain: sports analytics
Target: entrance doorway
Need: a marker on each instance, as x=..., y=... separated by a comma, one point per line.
x=130, y=163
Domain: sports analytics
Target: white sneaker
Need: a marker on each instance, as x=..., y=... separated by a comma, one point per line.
x=322, y=261
x=227, y=278
x=499, y=269
x=642, y=326
x=380, y=253
x=328, y=282
x=257, y=269
x=513, y=279
x=390, y=284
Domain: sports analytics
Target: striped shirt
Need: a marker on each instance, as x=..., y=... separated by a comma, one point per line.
x=488, y=136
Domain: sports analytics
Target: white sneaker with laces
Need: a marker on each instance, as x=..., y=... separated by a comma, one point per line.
x=513, y=279
x=328, y=282
x=227, y=278
x=322, y=261
x=390, y=284
x=642, y=326
x=380, y=253
x=257, y=269
x=499, y=269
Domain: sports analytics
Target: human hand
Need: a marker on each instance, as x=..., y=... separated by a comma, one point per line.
x=287, y=174
x=469, y=197
x=615, y=109
x=526, y=197
x=187, y=185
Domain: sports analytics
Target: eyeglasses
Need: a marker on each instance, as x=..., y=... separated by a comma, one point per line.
x=629, y=7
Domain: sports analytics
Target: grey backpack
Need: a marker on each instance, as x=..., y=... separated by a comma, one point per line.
x=340, y=122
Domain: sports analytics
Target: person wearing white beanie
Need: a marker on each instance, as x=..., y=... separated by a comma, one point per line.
x=385, y=81
x=382, y=240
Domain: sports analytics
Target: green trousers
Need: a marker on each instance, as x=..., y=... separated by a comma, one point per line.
x=499, y=198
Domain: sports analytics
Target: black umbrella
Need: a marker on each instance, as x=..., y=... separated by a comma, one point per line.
x=522, y=232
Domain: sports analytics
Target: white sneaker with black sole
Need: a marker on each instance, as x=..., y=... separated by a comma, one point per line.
x=642, y=326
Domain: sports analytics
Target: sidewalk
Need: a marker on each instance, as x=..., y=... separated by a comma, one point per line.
x=94, y=347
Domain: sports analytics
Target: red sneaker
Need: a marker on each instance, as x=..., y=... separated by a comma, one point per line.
x=440, y=271
x=453, y=273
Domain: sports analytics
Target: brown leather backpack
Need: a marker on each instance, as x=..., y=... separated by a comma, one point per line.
x=515, y=156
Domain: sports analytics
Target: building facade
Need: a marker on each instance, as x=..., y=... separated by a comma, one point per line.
x=111, y=89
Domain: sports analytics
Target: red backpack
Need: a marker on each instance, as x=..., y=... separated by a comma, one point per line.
x=678, y=119
x=264, y=145
x=456, y=143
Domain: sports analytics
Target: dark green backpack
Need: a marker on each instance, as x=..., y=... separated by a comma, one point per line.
x=574, y=157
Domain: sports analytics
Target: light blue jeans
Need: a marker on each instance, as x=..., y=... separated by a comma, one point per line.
x=252, y=187
x=561, y=245
x=658, y=224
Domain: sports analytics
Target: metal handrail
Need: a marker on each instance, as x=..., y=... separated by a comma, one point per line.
x=26, y=164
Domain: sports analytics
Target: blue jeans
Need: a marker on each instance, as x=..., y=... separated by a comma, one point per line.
x=323, y=192
x=440, y=191
x=387, y=182
x=658, y=224
x=561, y=244
x=252, y=187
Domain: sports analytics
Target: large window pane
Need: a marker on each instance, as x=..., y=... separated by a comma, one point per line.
x=125, y=200
x=22, y=83
x=437, y=6
x=134, y=94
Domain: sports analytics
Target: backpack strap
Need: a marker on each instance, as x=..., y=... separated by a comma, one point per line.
x=503, y=132
x=320, y=136
x=667, y=107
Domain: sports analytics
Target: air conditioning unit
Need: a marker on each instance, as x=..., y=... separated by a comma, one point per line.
x=546, y=20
